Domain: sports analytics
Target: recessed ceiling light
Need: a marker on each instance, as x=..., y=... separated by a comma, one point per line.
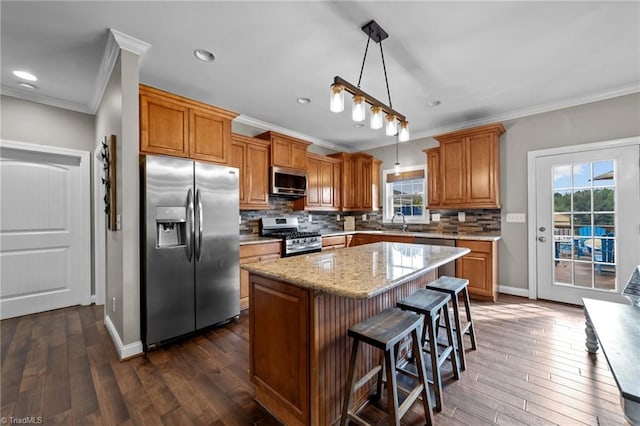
x=27, y=85
x=358, y=125
x=25, y=75
x=433, y=103
x=204, y=55
x=303, y=100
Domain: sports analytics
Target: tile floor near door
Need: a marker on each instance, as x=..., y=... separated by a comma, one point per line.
x=530, y=368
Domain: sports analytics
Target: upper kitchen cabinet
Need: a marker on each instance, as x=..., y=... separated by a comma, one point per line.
x=251, y=156
x=181, y=127
x=323, y=184
x=286, y=151
x=464, y=172
x=360, y=181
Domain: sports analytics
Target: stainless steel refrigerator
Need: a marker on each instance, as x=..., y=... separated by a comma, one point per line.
x=190, y=247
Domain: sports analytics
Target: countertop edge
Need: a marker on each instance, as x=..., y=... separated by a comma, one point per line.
x=475, y=237
x=346, y=293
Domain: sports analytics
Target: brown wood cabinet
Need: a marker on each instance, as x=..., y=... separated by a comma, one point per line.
x=359, y=239
x=334, y=242
x=181, y=127
x=251, y=253
x=286, y=151
x=323, y=184
x=251, y=156
x=480, y=267
x=433, y=177
x=359, y=181
x=464, y=172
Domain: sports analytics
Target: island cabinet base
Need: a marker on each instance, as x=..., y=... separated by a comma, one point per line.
x=299, y=348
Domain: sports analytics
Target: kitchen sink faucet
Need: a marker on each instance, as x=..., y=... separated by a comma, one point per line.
x=404, y=220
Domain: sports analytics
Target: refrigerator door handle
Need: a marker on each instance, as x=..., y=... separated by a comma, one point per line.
x=198, y=230
x=189, y=236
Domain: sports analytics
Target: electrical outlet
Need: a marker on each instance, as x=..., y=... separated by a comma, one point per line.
x=462, y=216
x=118, y=223
x=516, y=217
x=310, y=218
x=435, y=217
x=113, y=304
x=364, y=217
x=338, y=217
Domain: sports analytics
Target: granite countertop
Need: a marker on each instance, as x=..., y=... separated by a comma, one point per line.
x=257, y=239
x=358, y=272
x=446, y=236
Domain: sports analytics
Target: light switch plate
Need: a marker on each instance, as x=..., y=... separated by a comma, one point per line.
x=435, y=217
x=310, y=218
x=462, y=216
x=364, y=217
x=516, y=217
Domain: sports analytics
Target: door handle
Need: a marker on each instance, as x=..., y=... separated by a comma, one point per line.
x=198, y=229
x=542, y=239
x=542, y=229
x=189, y=225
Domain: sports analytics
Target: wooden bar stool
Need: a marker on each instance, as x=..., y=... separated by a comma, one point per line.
x=432, y=304
x=453, y=287
x=385, y=331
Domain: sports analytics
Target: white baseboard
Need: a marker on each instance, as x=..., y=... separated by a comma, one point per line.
x=514, y=291
x=124, y=351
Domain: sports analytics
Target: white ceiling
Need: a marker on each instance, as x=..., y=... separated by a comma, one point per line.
x=485, y=61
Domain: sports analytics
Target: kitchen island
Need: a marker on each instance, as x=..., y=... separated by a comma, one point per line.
x=301, y=308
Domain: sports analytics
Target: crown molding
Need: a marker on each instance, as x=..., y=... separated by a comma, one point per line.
x=263, y=125
x=117, y=41
x=46, y=100
x=628, y=89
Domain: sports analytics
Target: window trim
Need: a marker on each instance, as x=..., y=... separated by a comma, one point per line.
x=385, y=198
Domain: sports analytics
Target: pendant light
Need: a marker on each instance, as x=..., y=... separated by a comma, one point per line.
x=403, y=135
x=337, y=98
x=360, y=97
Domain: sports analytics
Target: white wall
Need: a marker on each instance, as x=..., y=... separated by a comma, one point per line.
x=30, y=122
x=109, y=122
x=598, y=121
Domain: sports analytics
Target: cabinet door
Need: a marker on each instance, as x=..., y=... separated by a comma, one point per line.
x=433, y=176
x=349, y=184
x=209, y=137
x=477, y=267
x=238, y=159
x=313, y=182
x=326, y=183
x=164, y=127
x=375, y=184
x=298, y=156
x=280, y=152
x=365, y=185
x=481, y=155
x=452, y=171
x=337, y=185
x=258, y=175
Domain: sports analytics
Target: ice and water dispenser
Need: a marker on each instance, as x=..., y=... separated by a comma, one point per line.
x=171, y=226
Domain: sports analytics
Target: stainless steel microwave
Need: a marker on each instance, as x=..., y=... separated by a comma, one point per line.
x=290, y=182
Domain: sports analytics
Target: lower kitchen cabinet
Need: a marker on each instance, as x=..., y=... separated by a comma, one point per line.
x=251, y=253
x=480, y=267
x=334, y=242
x=359, y=239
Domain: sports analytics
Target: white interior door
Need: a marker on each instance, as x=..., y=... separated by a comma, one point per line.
x=587, y=223
x=44, y=229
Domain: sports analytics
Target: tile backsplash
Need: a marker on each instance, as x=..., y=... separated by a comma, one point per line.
x=476, y=221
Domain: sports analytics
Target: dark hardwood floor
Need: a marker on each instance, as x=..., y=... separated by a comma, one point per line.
x=530, y=368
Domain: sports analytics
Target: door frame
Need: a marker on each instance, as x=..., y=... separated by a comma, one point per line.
x=84, y=226
x=532, y=157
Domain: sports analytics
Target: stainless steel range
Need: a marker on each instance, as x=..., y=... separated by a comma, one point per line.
x=294, y=242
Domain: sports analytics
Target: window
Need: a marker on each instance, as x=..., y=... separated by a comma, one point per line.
x=406, y=194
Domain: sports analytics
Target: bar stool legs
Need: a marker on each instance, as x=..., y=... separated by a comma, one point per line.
x=453, y=287
x=384, y=331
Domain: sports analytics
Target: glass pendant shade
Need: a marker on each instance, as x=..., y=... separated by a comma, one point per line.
x=337, y=98
x=376, y=117
x=396, y=169
x=358, y=110
x=403, y=135
x=392, y=127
